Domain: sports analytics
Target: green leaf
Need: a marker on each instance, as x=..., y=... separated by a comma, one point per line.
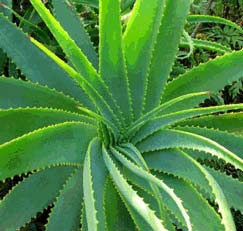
x=182, y=165
x=161, y=108
x=155, y=181
x=232, y=188
x=112, y=65
x=231, y=122
x=74, y=54
x=131, y=196
x=67, y=16
x=139, y=39
x=16, y=93
x=42, y=69
x=117, y=216
x=94, y=176
x=231, y=142
x=64, y=143
x=207, y=45
x=69, y=202
x=210, y=76
x=202, y=215
x=179, y=139
x=84, y=225
x=174, y=162
x=169, y=119
x=213, y=19
x=36, y=117
x=31, y=196
x=91, y=91
x=165, y=49
x=130, y=151
x=227, y=219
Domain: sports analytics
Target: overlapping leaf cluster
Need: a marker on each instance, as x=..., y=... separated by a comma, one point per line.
x=106, y=140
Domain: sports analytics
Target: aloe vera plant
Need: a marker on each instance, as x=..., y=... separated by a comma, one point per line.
x=104, y=139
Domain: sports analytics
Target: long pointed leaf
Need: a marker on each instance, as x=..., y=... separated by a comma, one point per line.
x=231, y=122
x=74, y=54
x=93, y=183
x=117, y=216
x=165, y=49
x=139, y=39
x=232, y=188
x=179, y=139
x=210, y=76
x=59, y=144
x=203, y=216
x=32, y=195
x=36, y=117
x=169, y=119
x=160, y=184
x=132, y=153
x=43, y=70
x=227, y=219
x=67, y=16
x=207, y=45
x=213, y=19
x=231, y=142
x=16, y=93
x=112, y=64
x=131, y=196
x=174, y=162
x=88, y=88
x=68, y=202
x=160, y=109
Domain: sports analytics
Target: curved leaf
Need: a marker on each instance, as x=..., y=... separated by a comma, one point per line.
x=227, y=219
x=182, y=165
x=169, y=119
x=16, y=93
x=43, y=70
x=164, y=139
x=160, y=184
x=91, y=91
x=210, y=76
x=67, y=16
x=36, y=117
x=130, y=151
x=94, y=176
x=231, y=142
x=161, y=108
x=139, y=39
x=207, y=45
x=213, y=19
x=117, y=216
x=74, y=54
x=232, y=188
x=31, y=196
x=131, y=196
x=68, y=202
x=165, y=49
x=112, y=64
x=202, y=215
x=64, y=143
x=231, y=122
